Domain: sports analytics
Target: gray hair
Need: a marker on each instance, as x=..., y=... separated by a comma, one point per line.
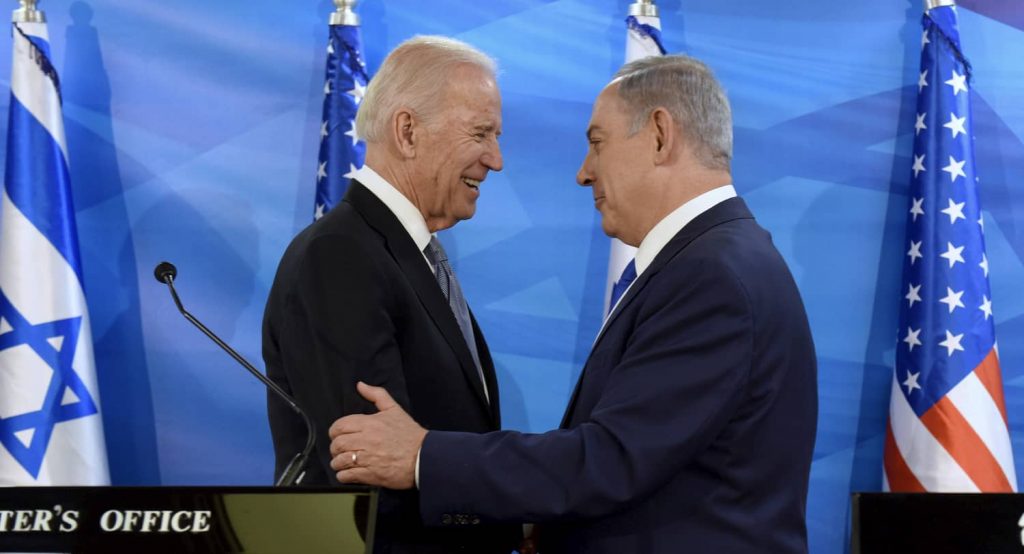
x=414, y=76
x=688, y=90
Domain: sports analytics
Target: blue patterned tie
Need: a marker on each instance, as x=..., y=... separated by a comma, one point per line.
x=456, y=301
x=620, y=286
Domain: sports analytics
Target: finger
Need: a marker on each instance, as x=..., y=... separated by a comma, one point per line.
x=346, y=443
x=345, y=425
x=378, y=395
x=343, y=460
x=356, y=475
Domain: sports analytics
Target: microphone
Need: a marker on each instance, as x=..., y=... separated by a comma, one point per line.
x=165, y=272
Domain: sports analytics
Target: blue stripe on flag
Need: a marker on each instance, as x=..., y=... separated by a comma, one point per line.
x=38, y=182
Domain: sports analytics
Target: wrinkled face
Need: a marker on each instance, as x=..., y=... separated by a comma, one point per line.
x=613, y=168
x=459, y=147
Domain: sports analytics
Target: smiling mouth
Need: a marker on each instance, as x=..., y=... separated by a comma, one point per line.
x=471, y=183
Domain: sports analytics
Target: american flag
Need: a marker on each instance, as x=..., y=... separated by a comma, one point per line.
x=947, y=418
x=341, y=150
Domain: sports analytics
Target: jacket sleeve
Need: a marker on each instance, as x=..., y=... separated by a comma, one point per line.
x=675, y=386
x=336, y=327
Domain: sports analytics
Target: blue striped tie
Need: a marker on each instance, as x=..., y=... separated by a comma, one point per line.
x=456, y=301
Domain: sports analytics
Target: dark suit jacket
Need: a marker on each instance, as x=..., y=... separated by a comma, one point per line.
x=354, y=299
x=691, y=427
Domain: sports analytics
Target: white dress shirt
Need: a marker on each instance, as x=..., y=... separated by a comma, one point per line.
x=408, y=214
x=668, y=227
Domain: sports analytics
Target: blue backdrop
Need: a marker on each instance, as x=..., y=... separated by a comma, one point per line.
x=193, y=129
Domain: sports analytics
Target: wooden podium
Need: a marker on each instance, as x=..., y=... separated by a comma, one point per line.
x=187, y=519
x=937, y=522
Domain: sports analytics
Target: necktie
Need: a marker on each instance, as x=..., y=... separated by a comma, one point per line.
x=620, y=286
x=456, y=301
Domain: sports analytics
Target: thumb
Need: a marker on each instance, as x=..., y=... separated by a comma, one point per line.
x=378, y=395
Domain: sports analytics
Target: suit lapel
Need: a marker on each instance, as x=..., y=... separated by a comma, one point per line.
x=416, y=270
x=727, y=210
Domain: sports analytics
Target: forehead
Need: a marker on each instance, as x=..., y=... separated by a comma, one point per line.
x=473, y=92
x=608, y=108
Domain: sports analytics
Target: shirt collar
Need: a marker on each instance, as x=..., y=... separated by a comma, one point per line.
x=668, y=227
x=408, y=215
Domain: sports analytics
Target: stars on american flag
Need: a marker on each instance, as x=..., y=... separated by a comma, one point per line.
x=958, y=82
x=956, y=124
x=952, y=299
x=953, y=254
x=942, y=200
x=340, y=145
x=918, y=166
x=952, y=343
x=911, y=382
x=954, y=211
x=986, y=307
x=911, y=338
x=955, y=169
x=915, y=208
x=913, y=294
x=942, y=339
x=915, y=251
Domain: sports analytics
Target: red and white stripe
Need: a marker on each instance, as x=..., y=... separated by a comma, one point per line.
x=961, y=444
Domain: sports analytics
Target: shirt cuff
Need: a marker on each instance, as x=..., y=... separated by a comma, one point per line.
x=416, y=476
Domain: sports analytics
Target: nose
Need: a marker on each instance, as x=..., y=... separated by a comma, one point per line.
x=585, y=177
x=492, y=158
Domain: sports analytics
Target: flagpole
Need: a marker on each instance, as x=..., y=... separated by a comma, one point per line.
x=642, y=40
x=345, y=13
x=28, y=13
x=643, y=8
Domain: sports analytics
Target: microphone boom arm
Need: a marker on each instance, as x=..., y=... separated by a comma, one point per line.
x=294, y=471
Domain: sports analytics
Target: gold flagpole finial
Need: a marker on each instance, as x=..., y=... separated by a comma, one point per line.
x=643, y=8
x=28, y=13
x=345, y=13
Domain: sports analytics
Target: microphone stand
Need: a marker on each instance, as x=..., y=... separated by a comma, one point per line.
x=165, y=273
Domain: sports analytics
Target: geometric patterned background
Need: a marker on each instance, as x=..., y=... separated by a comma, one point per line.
x=192, y=130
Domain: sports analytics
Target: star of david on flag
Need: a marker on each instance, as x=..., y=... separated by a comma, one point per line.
x=947, y=427
x=341, y=150
x=50, y=427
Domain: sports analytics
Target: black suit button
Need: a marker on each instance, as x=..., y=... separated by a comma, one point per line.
x=446, y=519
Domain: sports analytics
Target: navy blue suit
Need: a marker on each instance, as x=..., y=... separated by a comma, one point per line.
x=692, y=425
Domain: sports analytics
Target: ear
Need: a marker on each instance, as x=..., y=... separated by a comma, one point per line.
x=666, y=135
x=404, y=131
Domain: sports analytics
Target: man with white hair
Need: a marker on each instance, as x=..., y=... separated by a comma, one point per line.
x=692, y=426
x=367, y=293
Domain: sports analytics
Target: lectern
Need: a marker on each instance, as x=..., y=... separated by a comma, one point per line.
x=937, y=522
x=187, y=519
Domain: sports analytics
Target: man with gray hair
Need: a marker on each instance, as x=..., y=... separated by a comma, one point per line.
x=692, y=426
x=367, y=292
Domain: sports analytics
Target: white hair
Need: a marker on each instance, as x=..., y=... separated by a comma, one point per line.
x=688, y=90
x=414, y=76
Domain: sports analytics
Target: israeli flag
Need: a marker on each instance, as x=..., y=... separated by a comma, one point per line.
x=643, y=39
x=50, y=427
